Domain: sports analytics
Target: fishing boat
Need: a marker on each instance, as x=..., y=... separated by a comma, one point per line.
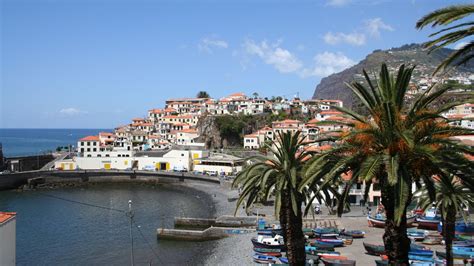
x=326, y=230
x=315, y=250
x=416, y=234
x=420, y=258
x=266, y=250
x=464, y=243
x=320, y=248
x=264, y=259
x=322, y=245
x=429, y=220
x=421, y=252
x=283, y=260
x=375, y=250
x=456, y=255
x=335, y=262
x=275, y=242
x=331, y=256
x=465, y=249
x=460, y=228
x=354, y=233
x=432, y=240
x=333, y=242
x=269, y=232
x=380, y=221
x=271, y=254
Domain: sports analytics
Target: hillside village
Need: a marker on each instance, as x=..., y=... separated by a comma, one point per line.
x=167, y=139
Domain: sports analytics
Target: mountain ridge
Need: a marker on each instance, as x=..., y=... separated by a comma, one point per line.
x=333, y=86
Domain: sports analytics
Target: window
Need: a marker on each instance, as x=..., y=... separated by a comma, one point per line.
x=94, y=143
x=89, y=155
x=107, y=155
x=88, y=143
x=88, y=149
x=94, y=149
x=99, y=155
x=82, y=149
x=82, y=143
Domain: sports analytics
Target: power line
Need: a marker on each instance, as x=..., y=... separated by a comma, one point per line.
x=110, y=209
x=148, y=243
x=82, y=203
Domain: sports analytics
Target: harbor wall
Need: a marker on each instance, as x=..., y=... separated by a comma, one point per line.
x=15, y=180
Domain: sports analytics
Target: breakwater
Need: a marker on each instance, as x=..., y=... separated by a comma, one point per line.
x=34, y=178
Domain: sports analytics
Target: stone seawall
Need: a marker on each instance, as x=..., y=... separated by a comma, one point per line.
x=15, y=180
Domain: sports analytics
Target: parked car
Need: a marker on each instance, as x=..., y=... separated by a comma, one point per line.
x=148, y=168
x=212, y=173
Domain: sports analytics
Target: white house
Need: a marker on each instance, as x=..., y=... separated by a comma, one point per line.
x=7, y=238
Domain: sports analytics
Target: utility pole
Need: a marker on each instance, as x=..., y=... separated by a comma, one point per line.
x=130, y=214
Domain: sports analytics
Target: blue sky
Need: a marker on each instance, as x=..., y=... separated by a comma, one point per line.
x=97, y=64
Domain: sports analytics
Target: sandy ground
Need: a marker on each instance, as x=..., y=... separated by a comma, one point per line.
x=237, y=250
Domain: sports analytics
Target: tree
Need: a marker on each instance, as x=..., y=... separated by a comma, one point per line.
x=450, y=197
x=395, y=146
x=280, y=175
x=203, y=94
x=450, y=35
x=255, y=95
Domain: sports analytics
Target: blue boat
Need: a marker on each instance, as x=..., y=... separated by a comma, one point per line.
x=464, y=249
x=456, y=255
x=333, y=242
x=460, y=228
x=464, y=243
x=264, y=259
x=284, y=260
x=421, y=252
x=420, y=258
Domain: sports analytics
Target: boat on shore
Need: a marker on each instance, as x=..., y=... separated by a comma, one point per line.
x=338, y=262
x=433, y=240
x=460, y=228
x=456, y=255
x=353, y=233
x=373, y=249
x=275, y=242
x=264, y=259
x=380, y=221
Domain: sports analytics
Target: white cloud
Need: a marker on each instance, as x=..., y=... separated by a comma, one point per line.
x=460, y=45
x=328, y=63
x=71, y=111
x=375, y=25
x=349, y=38
x=281, y=59
x=208, y=44
x=338, y=3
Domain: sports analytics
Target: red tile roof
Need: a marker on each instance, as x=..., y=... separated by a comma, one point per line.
x=5, y=216
x=90, y=138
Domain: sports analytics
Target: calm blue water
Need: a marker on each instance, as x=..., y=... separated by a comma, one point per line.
x=22, y=142
x=58, y=232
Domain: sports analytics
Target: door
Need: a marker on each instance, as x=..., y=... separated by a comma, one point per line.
x=107, y=166
x=71, y=166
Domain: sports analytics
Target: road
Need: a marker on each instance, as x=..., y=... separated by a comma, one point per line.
x=50, y=165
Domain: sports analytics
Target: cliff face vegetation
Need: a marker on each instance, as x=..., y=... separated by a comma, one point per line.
x=228, y=130
x=333, y=86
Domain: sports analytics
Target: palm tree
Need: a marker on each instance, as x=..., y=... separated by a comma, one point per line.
x=280, y=176
x=203, y=94
x=396, y=146
x=450, y=197
x=450, y=35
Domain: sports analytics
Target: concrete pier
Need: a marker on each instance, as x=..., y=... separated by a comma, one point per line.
x=222, y=221
x=211, y=233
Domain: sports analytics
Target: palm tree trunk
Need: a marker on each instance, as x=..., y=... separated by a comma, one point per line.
x=396, y=241
x=449, y=224
x=292, y=226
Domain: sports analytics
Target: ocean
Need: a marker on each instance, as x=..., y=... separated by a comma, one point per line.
x=53, y=228
x=24, y=142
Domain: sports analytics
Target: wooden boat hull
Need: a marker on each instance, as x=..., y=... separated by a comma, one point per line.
x=264, y=259
x=426, y=223
x=456, y=255
x=336, y=262
x=432, y=240
x=375, y=250
x=380, y=223
x=271, y=254
x=354, y=233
